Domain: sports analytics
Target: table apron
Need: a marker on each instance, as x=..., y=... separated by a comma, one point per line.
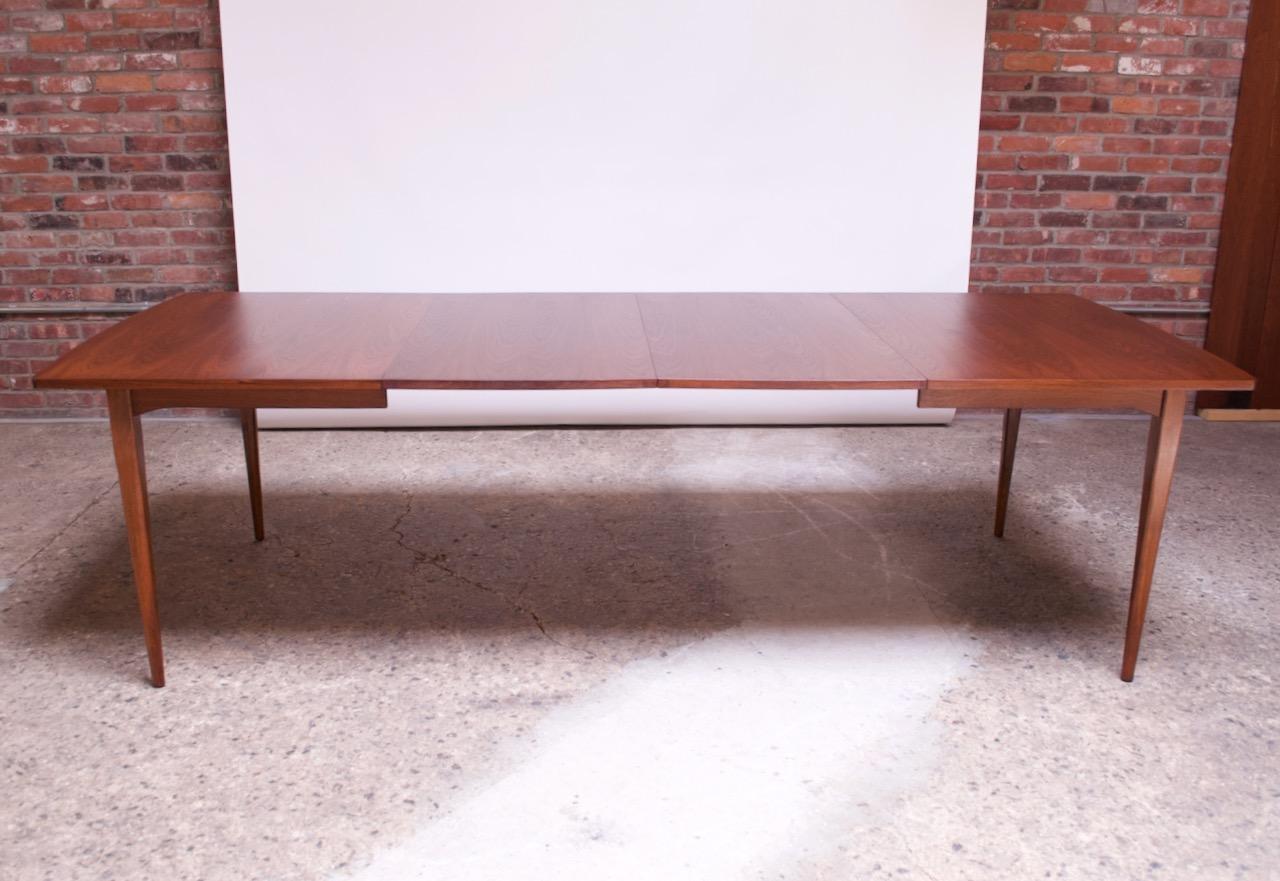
x=146, y=400
x=1144, y=400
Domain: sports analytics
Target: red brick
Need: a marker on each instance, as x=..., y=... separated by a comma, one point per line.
x=151, y=61
x=1037, y=22
x=23, y=164
x=1053, y=124
x=1089, y=63
x=1039, y=61
x=1188, y=146
x=141, y=19
x=56, y=43
x=1111, y=125
x=1127, y=145
x=1206, y=7
x=1077, y=144
x=114, y=42
x=1116, y=43
x=150, y=102
x=1162, y=46
x=195, y=200
x=65, y=83
x=95, y=104
x=93, y=63
x=124, y=82
x=1023, y=143
x=1197, y=165
x=82, y=202
x=36, y=21
x=14, y=85
x=188, y=81
x=1089, y=201
x=1006, y=83
x=1067, y=42
x=1125, y=275
x=208, y=58
x=95, y=144
x=89, y=21
x=1008, y=40
x=1138, y=25
x=1168, y=184
x=21, y=64
x=1148, y=164
x=1083, y=104
x=25, y=203
x=1133, y=105
x=1179, y=106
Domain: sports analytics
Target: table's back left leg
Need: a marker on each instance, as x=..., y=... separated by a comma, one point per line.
x=126, y=438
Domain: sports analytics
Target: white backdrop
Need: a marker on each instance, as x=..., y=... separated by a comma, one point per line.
x=589, y=145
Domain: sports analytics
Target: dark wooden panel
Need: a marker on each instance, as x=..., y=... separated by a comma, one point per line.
x=217, y=340
x=525, y=341
x=1244, y=325
x=1036, y=341
x=767, y=341
x=1267, y=369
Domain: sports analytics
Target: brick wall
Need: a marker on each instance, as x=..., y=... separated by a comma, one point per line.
x=1105, y=132
x=113, y=172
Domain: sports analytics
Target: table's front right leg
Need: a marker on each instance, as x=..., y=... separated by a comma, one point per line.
x=126, y=438
x=1162, y=450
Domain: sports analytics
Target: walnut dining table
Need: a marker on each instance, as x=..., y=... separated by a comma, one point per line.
x=243, y=351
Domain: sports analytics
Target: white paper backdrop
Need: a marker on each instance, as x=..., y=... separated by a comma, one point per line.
x=615, y=145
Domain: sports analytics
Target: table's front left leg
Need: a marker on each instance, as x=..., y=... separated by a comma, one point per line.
x=1162, y=450
x=126, y=438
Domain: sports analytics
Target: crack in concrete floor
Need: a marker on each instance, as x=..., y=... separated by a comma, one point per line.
x=437, y=562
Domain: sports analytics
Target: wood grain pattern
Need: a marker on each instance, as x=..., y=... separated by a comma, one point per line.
x=767, y=341
x=203, y=344
x=1032, y=341
x=1162, y=450
x=524, y=341
x=221, y=340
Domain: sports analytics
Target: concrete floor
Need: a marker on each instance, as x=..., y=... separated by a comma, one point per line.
x=651, y=654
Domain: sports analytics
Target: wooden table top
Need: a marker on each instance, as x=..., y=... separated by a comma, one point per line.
x=513, y=341
x=1039, y=340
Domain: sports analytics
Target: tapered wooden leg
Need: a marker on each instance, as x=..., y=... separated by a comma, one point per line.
x=1162, y=450
x=249, y=428
x=1012, y=421
x=126, y=438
